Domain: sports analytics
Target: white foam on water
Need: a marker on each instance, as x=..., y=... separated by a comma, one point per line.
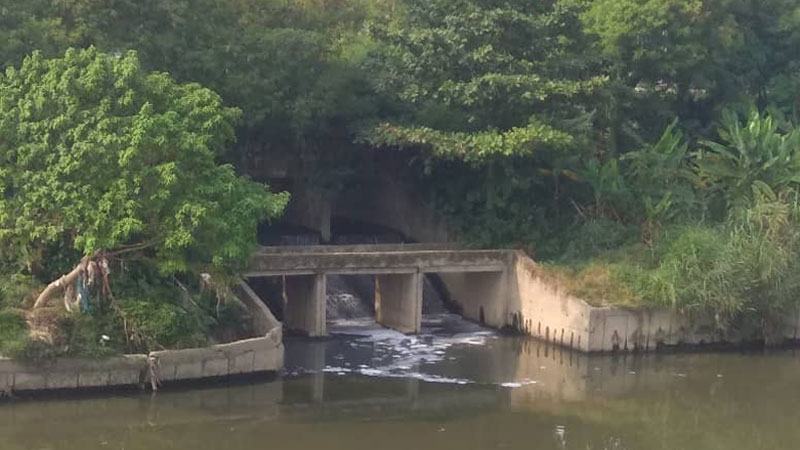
x=517, y=384
x=396, y=355
x=440, y=379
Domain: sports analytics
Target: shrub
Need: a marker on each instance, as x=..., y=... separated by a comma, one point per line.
x=16, y=291
x=15, y=340
x=13, y=332
x=743, y=272
x=594, y=238
x=96, y=335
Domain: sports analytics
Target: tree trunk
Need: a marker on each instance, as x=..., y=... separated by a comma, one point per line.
x=58, y=285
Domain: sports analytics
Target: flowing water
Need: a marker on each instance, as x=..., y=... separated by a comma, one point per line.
x=455, y=386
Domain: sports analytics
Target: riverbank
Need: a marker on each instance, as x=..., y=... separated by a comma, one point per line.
x=523, y=297
x=261, y=353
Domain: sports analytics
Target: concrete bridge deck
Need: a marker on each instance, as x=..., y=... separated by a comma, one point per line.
x=375, y=259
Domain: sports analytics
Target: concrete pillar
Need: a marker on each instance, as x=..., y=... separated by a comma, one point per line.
x=304, y=304
x=398, y=301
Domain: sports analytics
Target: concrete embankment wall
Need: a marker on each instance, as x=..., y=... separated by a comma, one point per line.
x=526, y=299
x=539, y=307
x=259, y=354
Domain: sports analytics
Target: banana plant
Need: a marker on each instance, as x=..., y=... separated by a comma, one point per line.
x=656, y=213
x=663, y=163
x=612, y=197
x=747, y=153
x=664, y=179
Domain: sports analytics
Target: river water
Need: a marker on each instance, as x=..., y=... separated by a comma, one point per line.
x=456, y=386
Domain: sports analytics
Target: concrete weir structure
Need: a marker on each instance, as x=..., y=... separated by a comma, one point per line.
x=498, y=288
x=398, y=271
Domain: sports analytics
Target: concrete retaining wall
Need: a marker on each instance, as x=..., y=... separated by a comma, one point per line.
x=540, y=308
x=385, y=202
x=263, y=321
x=259, y=354
x=72, y=373
x=264, y=354
x=380, y=201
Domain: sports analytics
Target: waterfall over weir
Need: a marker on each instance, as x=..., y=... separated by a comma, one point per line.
x=347, y=296
x=350, y=297
x=353, y=297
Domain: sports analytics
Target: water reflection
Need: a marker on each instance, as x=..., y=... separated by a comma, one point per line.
x=520, y=394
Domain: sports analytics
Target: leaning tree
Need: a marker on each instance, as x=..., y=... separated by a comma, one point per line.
x=103, y=157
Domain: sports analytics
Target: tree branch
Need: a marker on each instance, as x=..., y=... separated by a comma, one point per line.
x=132, y=248
x=59, y=285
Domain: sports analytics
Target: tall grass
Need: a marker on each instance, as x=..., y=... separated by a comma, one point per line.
x=723, y=242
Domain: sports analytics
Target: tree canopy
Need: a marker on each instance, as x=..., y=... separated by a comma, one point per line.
x=482, y=79
x=289, y=66
x=99, y=154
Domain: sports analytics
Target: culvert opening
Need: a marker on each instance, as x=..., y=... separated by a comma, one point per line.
x=350, y=297
x=353, y=297
x=269, y=290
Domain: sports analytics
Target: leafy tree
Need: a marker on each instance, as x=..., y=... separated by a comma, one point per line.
x=482, y=79
x=99, y=155
x=690, y=59
x=285, y=64
x=290, y=66
x=31, y=25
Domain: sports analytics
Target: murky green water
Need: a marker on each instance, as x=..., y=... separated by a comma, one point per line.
x=471, y=391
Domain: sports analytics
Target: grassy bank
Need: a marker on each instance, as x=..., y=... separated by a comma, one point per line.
x=743, y=272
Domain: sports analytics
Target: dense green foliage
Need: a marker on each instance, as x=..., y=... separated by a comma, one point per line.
x=722, y=241
x=647, y=149
x=483, y=79
x=100, y=155
x=662, y=193
x=291, y=67
x=13, y=333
